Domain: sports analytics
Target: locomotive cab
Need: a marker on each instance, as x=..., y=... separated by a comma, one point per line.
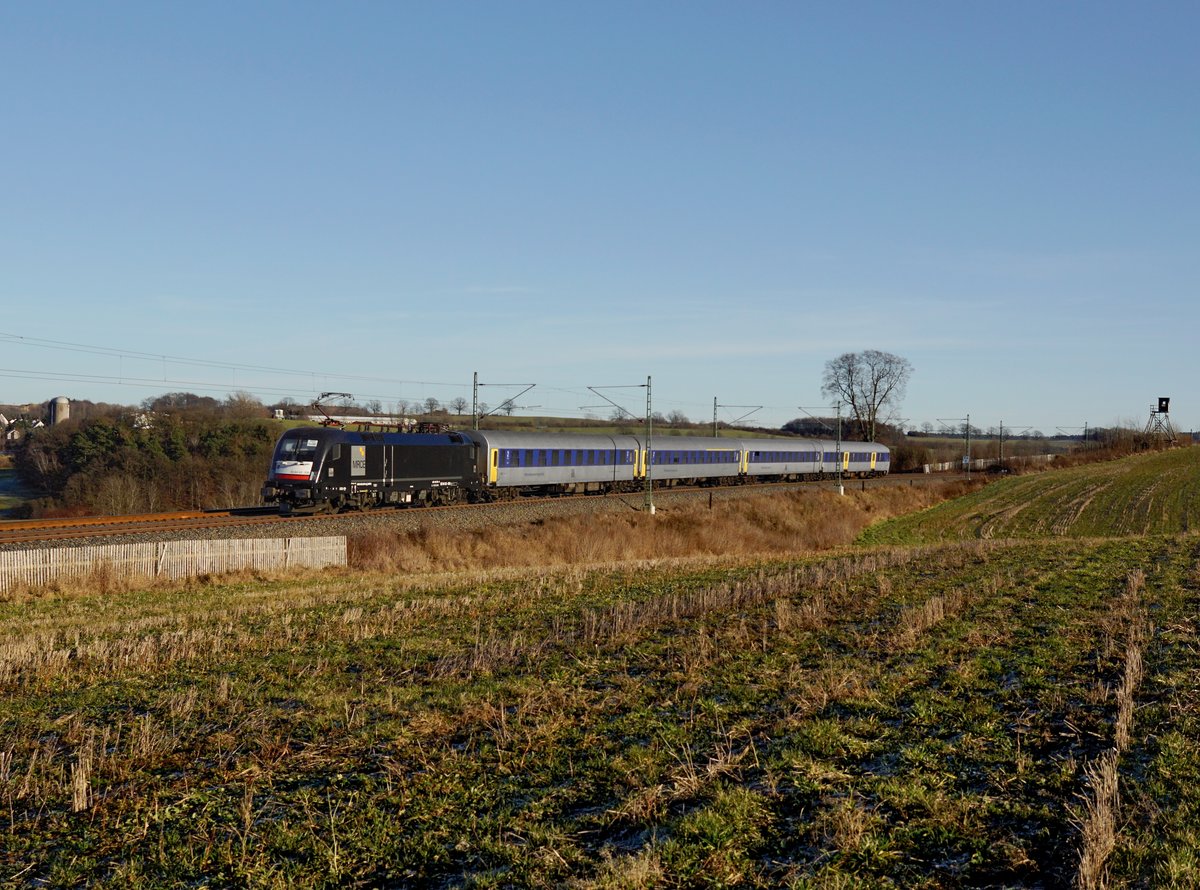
x=296, y=466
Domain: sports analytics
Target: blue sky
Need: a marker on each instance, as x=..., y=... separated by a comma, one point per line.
x=385, y=198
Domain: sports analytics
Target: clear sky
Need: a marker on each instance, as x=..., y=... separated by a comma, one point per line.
x=384, y=198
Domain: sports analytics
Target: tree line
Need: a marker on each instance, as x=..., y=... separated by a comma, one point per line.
x=179, y=452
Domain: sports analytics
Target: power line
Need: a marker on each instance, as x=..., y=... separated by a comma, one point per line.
x=89, y=349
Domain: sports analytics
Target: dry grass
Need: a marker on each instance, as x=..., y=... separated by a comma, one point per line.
x=764, y=525
x=1101, y=806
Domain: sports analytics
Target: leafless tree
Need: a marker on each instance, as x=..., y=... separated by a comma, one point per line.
x=431, y=405
x=458, y=405
x=871, y=383
x=244, y=404
x=677, y=418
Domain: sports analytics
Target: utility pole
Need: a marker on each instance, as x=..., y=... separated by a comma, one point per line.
x=649, y=452
x=841, y=490
x=752, y=408
x=837, y=454
x=475, y=418
x=649, y=421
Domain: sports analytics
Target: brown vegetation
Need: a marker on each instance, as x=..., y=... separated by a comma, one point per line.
x=1100, y=817
x=767, y=524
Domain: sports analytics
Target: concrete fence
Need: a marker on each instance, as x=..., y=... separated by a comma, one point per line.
x=172, y=559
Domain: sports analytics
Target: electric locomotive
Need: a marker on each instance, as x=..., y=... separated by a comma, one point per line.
x=329, y=468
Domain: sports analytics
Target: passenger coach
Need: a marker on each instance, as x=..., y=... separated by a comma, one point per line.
x=555, y=463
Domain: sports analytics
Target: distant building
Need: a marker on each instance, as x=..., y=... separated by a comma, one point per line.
x=60, y=410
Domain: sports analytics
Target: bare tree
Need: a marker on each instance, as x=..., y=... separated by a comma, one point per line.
x=375, y=407
x=458, y=405
x=244, y=404
x=677, y=418
x=871, y=383
x=402, y=407
x=431, y=405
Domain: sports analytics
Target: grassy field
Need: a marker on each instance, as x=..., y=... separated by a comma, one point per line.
x=1155, y=493
x=972, y=712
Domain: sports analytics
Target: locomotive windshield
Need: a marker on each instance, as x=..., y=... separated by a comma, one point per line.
x=297, y=449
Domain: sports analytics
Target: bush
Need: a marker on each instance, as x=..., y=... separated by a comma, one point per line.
x=124, y=463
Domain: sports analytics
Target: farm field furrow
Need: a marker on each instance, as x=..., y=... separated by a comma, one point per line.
x=921, y=716
x=1146, y=494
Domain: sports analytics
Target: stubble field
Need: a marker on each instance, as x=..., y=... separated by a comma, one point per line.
x=955, y=711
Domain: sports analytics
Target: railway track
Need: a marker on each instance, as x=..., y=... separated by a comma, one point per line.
x=23, y=531
x=39, y=531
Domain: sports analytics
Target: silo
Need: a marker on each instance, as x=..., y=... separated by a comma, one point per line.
x=60, y=409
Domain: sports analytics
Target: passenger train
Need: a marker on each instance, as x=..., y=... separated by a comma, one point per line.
x=330, y=468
